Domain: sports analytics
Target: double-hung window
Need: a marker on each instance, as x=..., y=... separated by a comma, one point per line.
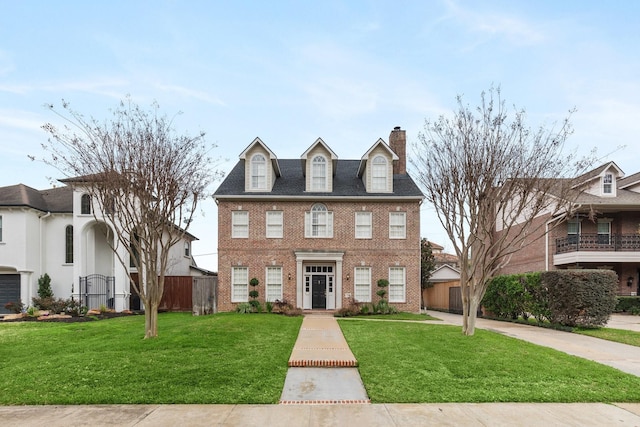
x=397, y=284
x=397, y=225
x=274, y=225
x=258, y=172
x=379, y=174
x=573, y=231
x=607, y=184
x=604, y=231
x=239, y=284
x=363, y=225
x=274, y=283
x=239, y=225
x=319, y=174
x=362, y=284
x=318, y=222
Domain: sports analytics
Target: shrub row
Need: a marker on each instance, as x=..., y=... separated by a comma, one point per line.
x=628, y=305
x=566, y=297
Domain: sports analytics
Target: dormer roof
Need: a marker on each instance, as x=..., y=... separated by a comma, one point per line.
x=597, y=173
x=305, y=155
x=272, y=156
x=365, y=158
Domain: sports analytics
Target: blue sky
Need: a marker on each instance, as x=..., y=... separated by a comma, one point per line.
x=292, y=71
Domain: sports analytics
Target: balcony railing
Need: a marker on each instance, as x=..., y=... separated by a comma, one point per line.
x=598, y=242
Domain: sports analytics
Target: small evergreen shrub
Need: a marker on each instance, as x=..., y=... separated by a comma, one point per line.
x=44, y=286
x=583, y=298
x=627, y=304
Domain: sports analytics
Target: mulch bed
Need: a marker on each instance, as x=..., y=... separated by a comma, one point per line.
x=74, y=319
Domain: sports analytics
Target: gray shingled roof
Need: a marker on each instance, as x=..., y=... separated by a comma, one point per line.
x=292, y=183
x=58, y=200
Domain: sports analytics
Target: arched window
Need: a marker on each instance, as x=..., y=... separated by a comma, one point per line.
x=85, y=204
x=68, y=244
x=319, y=222
x=379, y=174
x=258, y=172
x=319, y=174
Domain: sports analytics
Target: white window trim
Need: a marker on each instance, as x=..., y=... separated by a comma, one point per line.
x=244, y=284
x=308, y=223
x=237, y=227
x=0, y=228
x=361, y=282
x=611, y=184
x=259, y=175
x=271, y=226
x=397, y=227
x=269, y=284
x=317, y=180
x=368, y=226
x=402, y=285
x=376, y=176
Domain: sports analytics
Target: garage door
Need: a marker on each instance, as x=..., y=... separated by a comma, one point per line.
x=9, y=290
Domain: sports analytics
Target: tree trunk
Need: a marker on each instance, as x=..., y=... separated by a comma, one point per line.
x=469, y=323
x=151, y=320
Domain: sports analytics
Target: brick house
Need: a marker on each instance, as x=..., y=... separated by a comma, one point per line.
x=318, y=231
x=604, y=233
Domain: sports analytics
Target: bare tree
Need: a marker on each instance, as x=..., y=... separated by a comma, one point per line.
x=145, y=181
x=491, y=180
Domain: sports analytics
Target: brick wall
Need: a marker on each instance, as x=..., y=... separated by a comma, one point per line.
x=380, y=253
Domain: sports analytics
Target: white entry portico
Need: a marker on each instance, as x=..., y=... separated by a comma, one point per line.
x=319, y=279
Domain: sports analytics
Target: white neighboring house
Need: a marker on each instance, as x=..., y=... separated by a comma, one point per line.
x=54, y=231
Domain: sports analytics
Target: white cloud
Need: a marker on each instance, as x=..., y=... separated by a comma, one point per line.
x=190, y=93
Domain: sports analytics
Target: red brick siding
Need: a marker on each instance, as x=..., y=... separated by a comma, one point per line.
x=380, y=253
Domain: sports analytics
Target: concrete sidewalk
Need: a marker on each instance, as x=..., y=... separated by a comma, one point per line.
x=406, y=415
x=620, y=356
x=322, y=368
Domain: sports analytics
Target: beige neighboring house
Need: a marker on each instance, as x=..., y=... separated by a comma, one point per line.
x=318, y=231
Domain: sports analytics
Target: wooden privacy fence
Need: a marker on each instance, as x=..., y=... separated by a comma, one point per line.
x=204, y=295
x=197, y=294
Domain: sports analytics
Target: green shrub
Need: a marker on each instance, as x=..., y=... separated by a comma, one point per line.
x=627, y=304
x=505, y=297
x=15, y=307
x=268, y=306
x=256, y=307
x=583, y=298
x=244, y=308
x=44, y=286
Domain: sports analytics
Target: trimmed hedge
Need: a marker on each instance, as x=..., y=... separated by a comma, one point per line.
x=566, y=297
x=628, y=305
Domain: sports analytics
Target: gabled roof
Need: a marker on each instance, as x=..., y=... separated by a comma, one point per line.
x=596, y=173
x=365, y=158
x=444, y=273
x=319, y=141
x=58, y=200
x=629, y=181
x=272, y=156
x=292, y=184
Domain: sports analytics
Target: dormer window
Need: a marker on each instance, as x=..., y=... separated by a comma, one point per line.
x=607, y=184
x=319, y=174
x=258, y=172
x=379, y=173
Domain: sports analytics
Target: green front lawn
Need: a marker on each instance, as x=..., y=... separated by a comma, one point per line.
x=235, y=358
x=225, y=358
x=610, y=334
x=410, y=362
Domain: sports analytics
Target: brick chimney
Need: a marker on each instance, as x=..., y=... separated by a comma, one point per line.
x=398, y=143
